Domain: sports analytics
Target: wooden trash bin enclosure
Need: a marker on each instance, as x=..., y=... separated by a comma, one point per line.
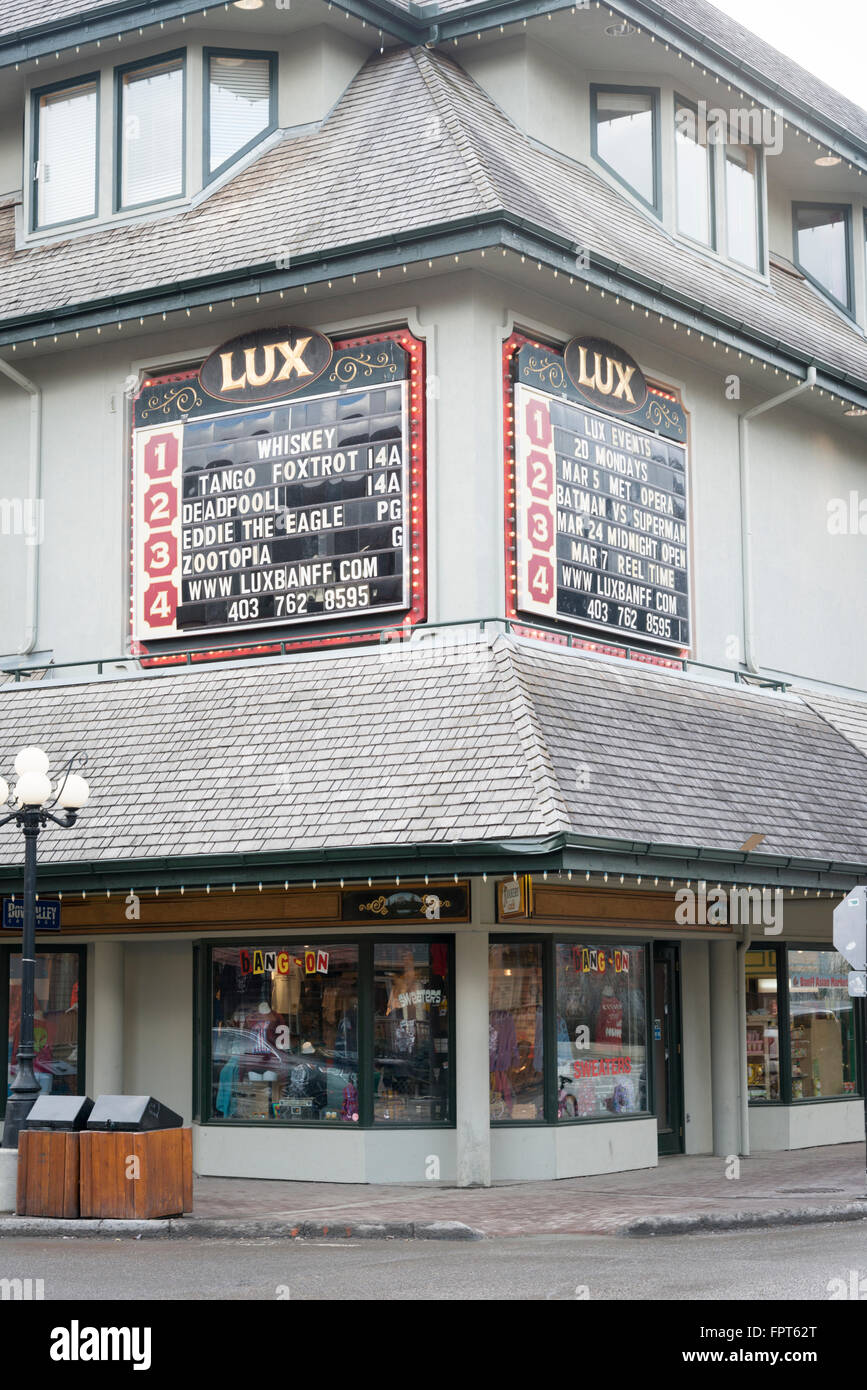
x=134, y=1161
x=136, y=1176
x=48, y=1173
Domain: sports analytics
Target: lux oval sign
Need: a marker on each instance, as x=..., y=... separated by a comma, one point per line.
x=265, y=364
x=605, y=375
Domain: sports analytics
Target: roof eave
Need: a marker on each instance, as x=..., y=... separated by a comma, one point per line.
x=39, y=41
x=551, y=854
x=485, y=231
x=650, y=15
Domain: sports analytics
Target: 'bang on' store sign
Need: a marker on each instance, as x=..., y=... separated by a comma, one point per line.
x=280, y=484
x=601, y=509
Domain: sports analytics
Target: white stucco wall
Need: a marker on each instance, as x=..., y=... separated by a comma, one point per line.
x=158, y=1023
x=806, y=1126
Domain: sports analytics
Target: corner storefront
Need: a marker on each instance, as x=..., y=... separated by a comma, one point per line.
x=485, y=1029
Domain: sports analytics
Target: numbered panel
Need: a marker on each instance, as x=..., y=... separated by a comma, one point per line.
x=284, y=512
x=600, y=510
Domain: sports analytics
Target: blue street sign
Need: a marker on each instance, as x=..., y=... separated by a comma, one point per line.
x=47, y=914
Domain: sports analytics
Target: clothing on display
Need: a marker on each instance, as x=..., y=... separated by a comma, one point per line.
x=284, y=1043
x=609, y=1020
x=515, y=1031
x=601, y=1002
x=411, y=1062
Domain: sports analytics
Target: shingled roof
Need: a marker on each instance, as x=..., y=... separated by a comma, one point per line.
x=695, y=19
x=19, y=16
x=714, y=27
x=399, y=746
x=476, y=163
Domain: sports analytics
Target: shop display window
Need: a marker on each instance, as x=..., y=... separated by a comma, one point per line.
x=601, y=1018
x=285, y=1033
x=515, y=1027
x=821, y=1025
x=411, y=1032
x=763, y=1027
x=56, y=1023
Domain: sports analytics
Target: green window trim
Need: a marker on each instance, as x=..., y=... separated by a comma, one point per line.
x=203, y=1025
x=269, y=56
x=847, y=307
x=713, y=201
x=654, y=206
x=786, y=1097
x=119, y=73
x=550, y=941
x=44, y=949
x=35, y=96
x=760, y=268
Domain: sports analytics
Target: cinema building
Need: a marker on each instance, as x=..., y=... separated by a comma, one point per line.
x=434, y=451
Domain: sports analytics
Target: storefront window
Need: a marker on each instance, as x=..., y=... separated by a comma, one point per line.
x=821, y=1025
x=411, y=1032
x=515, y=1032
x=763, y=1030
x=285, y=1033
x=601, y=1031
x=55, y=1021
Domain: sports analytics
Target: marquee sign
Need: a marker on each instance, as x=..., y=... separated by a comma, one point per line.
x=605, y=375
x=598, y=489
x=280, y=484
x=265, y=365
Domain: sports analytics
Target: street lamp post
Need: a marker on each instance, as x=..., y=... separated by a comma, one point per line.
x=33, y=802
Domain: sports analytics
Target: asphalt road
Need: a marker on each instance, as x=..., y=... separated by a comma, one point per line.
x=791, y=1263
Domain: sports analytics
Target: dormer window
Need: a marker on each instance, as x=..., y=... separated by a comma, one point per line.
x=625, y=138
x=240, y=105
x=695, y=175
x=742, y=205
x=65, y=140
x=150, y=135
x=823, y=248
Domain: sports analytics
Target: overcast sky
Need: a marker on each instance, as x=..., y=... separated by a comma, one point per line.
x=829, y=38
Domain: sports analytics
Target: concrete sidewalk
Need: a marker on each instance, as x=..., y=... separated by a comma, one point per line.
x=681, y=1195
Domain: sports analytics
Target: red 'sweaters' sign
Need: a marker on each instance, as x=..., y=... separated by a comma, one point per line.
x=605, y=375
x=265, y=364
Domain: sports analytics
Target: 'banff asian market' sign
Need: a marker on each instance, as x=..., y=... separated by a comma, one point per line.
x=276, y=485
x=601, y=500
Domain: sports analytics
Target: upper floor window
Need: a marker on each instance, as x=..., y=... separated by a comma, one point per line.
x=625, y=137
x=695, y=175
x=823, y=248
x=65, y=142
x=742, y=204
x=240, y=105
x=150, y=113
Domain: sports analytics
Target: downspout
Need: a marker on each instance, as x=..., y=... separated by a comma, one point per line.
x=750, y=658
x=31, y=593
x=744, y=1092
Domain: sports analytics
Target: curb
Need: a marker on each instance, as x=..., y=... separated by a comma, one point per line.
x=743, y=1220
x=175, y=1228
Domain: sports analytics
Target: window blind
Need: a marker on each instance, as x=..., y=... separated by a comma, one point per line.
x=152, y=134
x=66, y=155
x=239, y=105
